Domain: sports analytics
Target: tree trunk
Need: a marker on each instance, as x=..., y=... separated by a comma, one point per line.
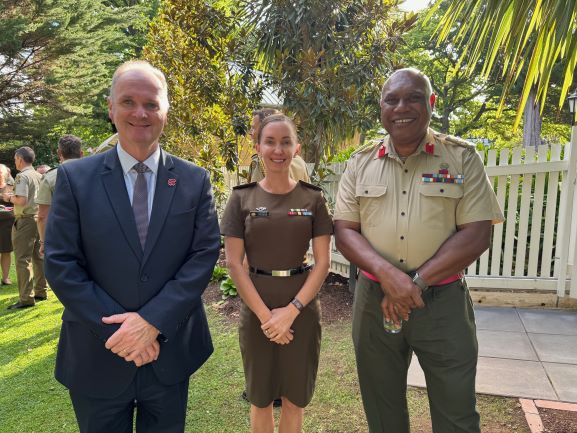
x=532, y=121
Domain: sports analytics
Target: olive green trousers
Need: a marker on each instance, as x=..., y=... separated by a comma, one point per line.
x=29, y=264
x=442, y=335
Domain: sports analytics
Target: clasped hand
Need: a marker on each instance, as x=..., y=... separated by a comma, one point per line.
x=278, y=328
x=401, y=296
x=135, y=340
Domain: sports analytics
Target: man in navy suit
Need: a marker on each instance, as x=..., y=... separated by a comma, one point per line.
x=131, y=241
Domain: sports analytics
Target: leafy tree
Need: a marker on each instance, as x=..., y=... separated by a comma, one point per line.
x=535, y=33
x=468, y=103
x=462, y=100
x=327, y=59
x=56, y=60
x=197, y=45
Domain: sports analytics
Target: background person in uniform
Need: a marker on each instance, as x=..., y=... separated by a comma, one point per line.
x=280, y=318
x=43, y=169
x=298, y=168
x=31, y=285
x=131, y=242
x=6, y=223
x=69, y=148
x=413, y=212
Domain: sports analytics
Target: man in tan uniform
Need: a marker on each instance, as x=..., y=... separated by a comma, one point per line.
x=298, y=167
x=69, y=147
x=412, y=213
x=25, y=233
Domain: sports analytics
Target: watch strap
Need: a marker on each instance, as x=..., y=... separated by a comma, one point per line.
x=419, y=282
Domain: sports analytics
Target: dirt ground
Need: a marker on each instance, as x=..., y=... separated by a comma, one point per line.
x=336, y=305
x=558, y=421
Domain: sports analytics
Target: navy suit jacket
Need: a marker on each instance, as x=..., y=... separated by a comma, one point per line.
x=96, y=266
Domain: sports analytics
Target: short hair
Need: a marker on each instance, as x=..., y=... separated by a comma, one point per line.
x=414, y=71
x=141, y=65
x=26, y=153
x=70, y=147
x=278, y=118
x=265, y=112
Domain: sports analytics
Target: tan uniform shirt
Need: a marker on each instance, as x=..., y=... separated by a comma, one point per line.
x=407, y=210
x=46, y=189
x=297, y=170
x=26, y=185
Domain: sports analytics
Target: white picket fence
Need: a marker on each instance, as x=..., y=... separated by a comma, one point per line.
x=535, y=248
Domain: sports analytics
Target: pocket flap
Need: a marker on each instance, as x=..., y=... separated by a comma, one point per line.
x=363, y=190
x=448, y=190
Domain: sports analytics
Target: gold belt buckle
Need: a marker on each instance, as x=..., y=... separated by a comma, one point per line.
x=281, y=273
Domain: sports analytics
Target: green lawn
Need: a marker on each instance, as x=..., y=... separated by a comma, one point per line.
x=31, y=401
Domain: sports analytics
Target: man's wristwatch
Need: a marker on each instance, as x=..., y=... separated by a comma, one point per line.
x=422, y=284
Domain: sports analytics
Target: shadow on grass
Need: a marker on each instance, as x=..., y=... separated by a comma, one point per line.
x=19, y=346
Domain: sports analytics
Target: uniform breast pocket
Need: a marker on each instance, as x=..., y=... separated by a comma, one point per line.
x=372, y=203
x=439, y=202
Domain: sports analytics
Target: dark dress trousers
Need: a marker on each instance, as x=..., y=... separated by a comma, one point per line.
x=96, y=266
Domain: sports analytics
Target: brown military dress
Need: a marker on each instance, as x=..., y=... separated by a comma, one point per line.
x=275, y=240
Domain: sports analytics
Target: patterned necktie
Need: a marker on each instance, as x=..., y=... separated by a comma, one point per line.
x=140, y=202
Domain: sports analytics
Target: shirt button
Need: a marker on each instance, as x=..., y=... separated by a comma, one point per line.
x=144, y=278
x=406, y=171
x=402, y=238
x=404, y=192
x=442, y=190
x=402, y=261
x=402, y=213
x=366, y=191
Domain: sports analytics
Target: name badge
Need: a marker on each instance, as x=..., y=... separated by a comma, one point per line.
x=259, y=212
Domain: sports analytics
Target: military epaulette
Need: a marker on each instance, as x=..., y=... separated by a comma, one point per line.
x=451, y=139
x=310, y=185
x=370, y=146
x=244, y=185
x=53, y=168
x=254, y=157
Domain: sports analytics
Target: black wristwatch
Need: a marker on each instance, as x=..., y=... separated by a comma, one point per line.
x=422, y=284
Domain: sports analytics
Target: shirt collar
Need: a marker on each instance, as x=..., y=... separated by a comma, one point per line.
x=127, y=161
x=427, y=145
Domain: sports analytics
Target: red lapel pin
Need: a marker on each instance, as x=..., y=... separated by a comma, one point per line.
x=171, y=182
x=430, y=148
x=382, y=151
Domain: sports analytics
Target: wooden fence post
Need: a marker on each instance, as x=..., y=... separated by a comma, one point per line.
x=565, y=226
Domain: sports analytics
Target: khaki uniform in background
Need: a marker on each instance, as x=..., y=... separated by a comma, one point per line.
x=406, y=212
x=46, y=188
x=298, y=169
x=25, y=239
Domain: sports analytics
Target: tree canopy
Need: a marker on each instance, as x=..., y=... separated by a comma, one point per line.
x=535, y=34
x=198, y=45
x=56, y=60
x=327, y=60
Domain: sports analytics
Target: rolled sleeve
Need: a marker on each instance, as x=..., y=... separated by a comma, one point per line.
x=21, y=186
x=347, y=205
x=479, y=202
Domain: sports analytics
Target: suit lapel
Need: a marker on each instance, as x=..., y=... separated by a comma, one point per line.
x=114, y=184
x=166, y=184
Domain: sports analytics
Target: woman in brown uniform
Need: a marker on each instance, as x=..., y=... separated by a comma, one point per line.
x=6, y=223
x=273, y=221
